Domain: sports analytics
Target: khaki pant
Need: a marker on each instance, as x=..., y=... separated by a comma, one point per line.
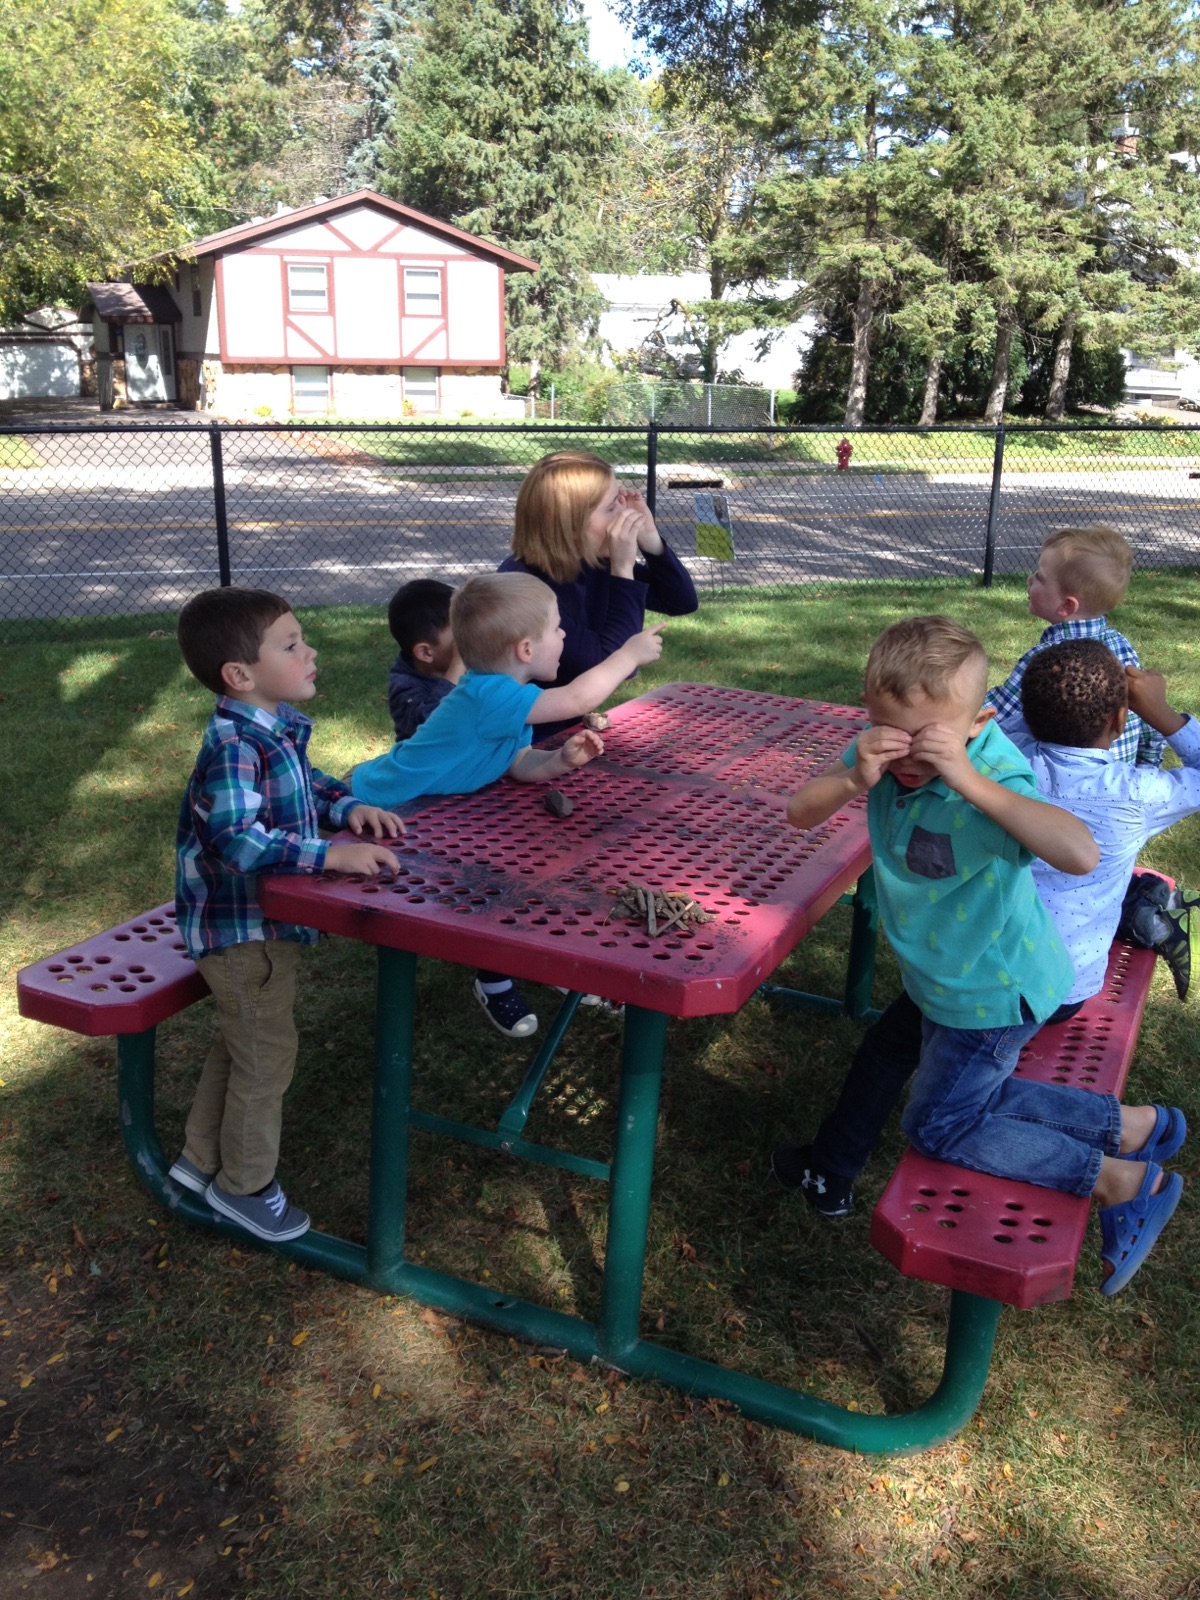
x=233, y=1127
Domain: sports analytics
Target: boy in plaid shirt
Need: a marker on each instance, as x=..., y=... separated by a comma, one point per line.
x=1081, y=574
x=253, y=804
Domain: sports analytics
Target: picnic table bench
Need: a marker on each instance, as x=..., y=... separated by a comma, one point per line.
x=1016, y=1243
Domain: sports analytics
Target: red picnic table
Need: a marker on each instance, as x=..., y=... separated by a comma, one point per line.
x=690, y=798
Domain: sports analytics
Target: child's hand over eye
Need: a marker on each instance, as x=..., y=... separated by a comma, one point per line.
x=945, y=750
x=369, y=859
x=581, y=748
x=380, y=823
x=876, y=749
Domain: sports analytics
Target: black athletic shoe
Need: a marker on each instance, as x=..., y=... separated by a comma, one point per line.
x=507, y=1011
x=1178, y=946
x=826, y=1192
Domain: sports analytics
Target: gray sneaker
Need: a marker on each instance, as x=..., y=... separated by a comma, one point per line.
x=190, y=1176
x=268, y=1215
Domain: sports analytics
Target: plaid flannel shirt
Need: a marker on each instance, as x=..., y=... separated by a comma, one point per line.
x=1139, y=744
x=252, y=804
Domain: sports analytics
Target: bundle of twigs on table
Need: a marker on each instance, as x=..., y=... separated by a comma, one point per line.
x=660, y=909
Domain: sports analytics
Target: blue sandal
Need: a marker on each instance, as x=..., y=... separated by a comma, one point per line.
x=1170, y=1130
x=1129, y=1230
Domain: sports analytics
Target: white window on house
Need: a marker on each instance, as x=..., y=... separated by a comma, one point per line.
x=310, y=390
x=308, y=286
x=421, y=388
x=422, y=292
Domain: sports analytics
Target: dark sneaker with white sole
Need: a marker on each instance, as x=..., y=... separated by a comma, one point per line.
x=827, y=1192
x=268, y=1215
x=188, y=1174
x=507, y=1011
x=1179, y=946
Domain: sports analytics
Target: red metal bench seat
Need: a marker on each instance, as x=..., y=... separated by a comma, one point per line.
x=1016, y=1242
x=124, y=980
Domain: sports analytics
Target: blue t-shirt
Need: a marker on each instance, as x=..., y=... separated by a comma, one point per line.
x=469, y=740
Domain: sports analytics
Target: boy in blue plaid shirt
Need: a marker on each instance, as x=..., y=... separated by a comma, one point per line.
x=253, y=804
x=1081, y=574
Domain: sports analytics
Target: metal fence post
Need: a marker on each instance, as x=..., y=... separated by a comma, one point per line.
x=652, y=466
x=989, y=552
x=218, y=472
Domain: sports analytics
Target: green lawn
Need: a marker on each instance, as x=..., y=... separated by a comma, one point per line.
x=940, y=450
x=230, y=1423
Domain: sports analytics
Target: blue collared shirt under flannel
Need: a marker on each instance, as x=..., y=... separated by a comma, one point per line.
x=252, y=805
x=1138, y=744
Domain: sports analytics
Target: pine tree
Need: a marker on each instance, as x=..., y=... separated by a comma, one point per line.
x=500, y=125
x=381, y=57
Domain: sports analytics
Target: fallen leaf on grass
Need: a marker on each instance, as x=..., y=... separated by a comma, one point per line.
x=153, y=1581
x=430, y=1461
x=299, y=1338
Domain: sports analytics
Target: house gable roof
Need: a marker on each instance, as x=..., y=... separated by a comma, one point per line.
x=247, y=233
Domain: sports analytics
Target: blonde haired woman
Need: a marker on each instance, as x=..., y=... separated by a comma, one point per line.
x=596, y=545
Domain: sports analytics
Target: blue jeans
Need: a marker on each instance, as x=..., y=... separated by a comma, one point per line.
x=887, y=1056
x=965, y=1106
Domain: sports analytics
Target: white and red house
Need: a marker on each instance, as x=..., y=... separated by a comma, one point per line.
x=357, y=307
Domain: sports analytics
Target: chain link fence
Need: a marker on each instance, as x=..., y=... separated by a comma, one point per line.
x=119, y=518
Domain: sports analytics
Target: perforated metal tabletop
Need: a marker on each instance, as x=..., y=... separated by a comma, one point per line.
x=689, y=796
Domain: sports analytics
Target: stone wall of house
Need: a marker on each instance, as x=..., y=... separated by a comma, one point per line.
x=362, y=393
x=110, y=382
x=476, y=391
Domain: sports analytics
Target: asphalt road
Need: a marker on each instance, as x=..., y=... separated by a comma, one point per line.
x=125, y=521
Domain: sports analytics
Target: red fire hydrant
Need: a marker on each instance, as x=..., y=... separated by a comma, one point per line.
x=844, y=451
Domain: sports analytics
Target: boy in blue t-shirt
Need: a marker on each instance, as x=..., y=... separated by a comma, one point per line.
x=506, y=630
x=955, y=822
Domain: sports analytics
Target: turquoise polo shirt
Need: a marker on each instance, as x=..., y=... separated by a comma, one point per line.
x=957, y=898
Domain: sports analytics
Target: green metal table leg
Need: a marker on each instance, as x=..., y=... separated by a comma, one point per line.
x=632, y=1174
x=135, y=1097
x=395, y=1004
x=516, y=1114
x=864, y=933
x=969, y=1341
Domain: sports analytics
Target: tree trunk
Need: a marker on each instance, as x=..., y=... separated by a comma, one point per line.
x=1056, y=399
x=864, y=306
x=933, y=378
x=1005, y=324
x=856, y=396
x=535, y=377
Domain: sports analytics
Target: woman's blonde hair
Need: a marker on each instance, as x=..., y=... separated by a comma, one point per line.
x=556, y=498
x=493, y=611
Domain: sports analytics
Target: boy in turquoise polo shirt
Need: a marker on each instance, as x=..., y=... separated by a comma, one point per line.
x=955, y=821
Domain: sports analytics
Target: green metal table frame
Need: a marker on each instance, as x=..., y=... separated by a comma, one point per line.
x=615, y=1338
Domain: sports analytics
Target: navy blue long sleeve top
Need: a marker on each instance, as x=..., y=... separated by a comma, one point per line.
x=599, y=612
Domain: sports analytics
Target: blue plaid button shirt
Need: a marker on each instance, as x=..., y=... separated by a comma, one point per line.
x=1138, y=744
x=252, y=803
